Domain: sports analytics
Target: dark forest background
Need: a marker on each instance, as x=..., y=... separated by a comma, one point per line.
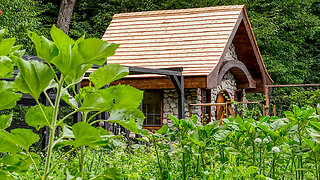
x=287, y=31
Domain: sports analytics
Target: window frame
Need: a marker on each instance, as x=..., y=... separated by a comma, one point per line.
x=161, y=110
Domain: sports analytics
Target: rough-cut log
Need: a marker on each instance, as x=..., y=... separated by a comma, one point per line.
x=65, y=14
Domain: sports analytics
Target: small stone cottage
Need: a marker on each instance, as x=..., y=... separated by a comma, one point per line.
x=215, y=46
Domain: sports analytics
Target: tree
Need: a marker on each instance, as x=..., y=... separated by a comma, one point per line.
x=65, y=15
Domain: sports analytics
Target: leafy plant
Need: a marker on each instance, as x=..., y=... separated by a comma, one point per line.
x=71, y=59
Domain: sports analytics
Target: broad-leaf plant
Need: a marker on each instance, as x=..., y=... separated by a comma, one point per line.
x=66, y=62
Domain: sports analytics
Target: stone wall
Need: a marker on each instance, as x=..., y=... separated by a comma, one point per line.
x=193, y=96
x=170, y=104
x=228, y=82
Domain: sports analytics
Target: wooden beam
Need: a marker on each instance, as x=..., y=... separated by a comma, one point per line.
x=158, y=82
x=177, y=71
x=166, y=71
x=238, y=69
x=266, y=77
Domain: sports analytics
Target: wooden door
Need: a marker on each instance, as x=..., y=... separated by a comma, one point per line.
x=222, y=97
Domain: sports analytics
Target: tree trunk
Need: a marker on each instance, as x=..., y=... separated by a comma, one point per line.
x=65, y=14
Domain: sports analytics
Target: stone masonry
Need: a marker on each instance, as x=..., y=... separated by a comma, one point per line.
x=193, y=96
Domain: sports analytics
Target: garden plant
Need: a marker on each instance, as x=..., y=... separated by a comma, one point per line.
x=66, y=62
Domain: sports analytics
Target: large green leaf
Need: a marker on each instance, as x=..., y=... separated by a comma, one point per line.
x=131, y=119
x=6, y=67
x=107, y=74
x=7, y=95
x=33, y=78
x=5, y=121
x=46, y=49
x=62, y=40
x=123, y=96
x=163, y=130
x=15, y=56
x=67, y=133
x=126, y=97
x=6, y=85
x=315, y=125
x=21, y=137
x=278, y=123
x=35, y=118
x=68, y=58
x=9, y=99
x=314, y=134
x=69, y=99
x=6, y=45
x=96, y=51
x=76, y=74
x=7, y=146
x=18, y=163
x=83, y=92
x=101, y=100
x=85, y=135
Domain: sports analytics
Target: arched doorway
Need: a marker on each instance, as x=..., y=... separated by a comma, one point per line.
x=222, y=97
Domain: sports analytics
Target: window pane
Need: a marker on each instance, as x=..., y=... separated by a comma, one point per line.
x=152, y=108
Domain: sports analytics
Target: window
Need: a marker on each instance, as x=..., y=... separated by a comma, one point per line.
x=152, y=108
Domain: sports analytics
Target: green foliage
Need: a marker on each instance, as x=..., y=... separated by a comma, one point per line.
x=72, y=59
x=33, y=77
x=24, y=138
x=6, y=67
x=42, y=45
x=85, y=134
x=7, y=89
x=213, y=151
x=306, y=98
x=5, y=121
x=19, y=16
x=115, y=72
x=131, y=119
x=35, y=118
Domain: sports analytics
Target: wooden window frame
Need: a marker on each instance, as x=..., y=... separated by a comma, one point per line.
x=161, y=110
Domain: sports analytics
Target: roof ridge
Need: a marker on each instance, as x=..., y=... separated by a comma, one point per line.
x=180, y=11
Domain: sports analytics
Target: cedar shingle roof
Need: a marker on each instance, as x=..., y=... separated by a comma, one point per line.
x=190, y=38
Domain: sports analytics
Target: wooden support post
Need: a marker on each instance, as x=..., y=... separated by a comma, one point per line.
x=266, y=107
x=181, y=99
x=269, y=113
x=178, y=82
